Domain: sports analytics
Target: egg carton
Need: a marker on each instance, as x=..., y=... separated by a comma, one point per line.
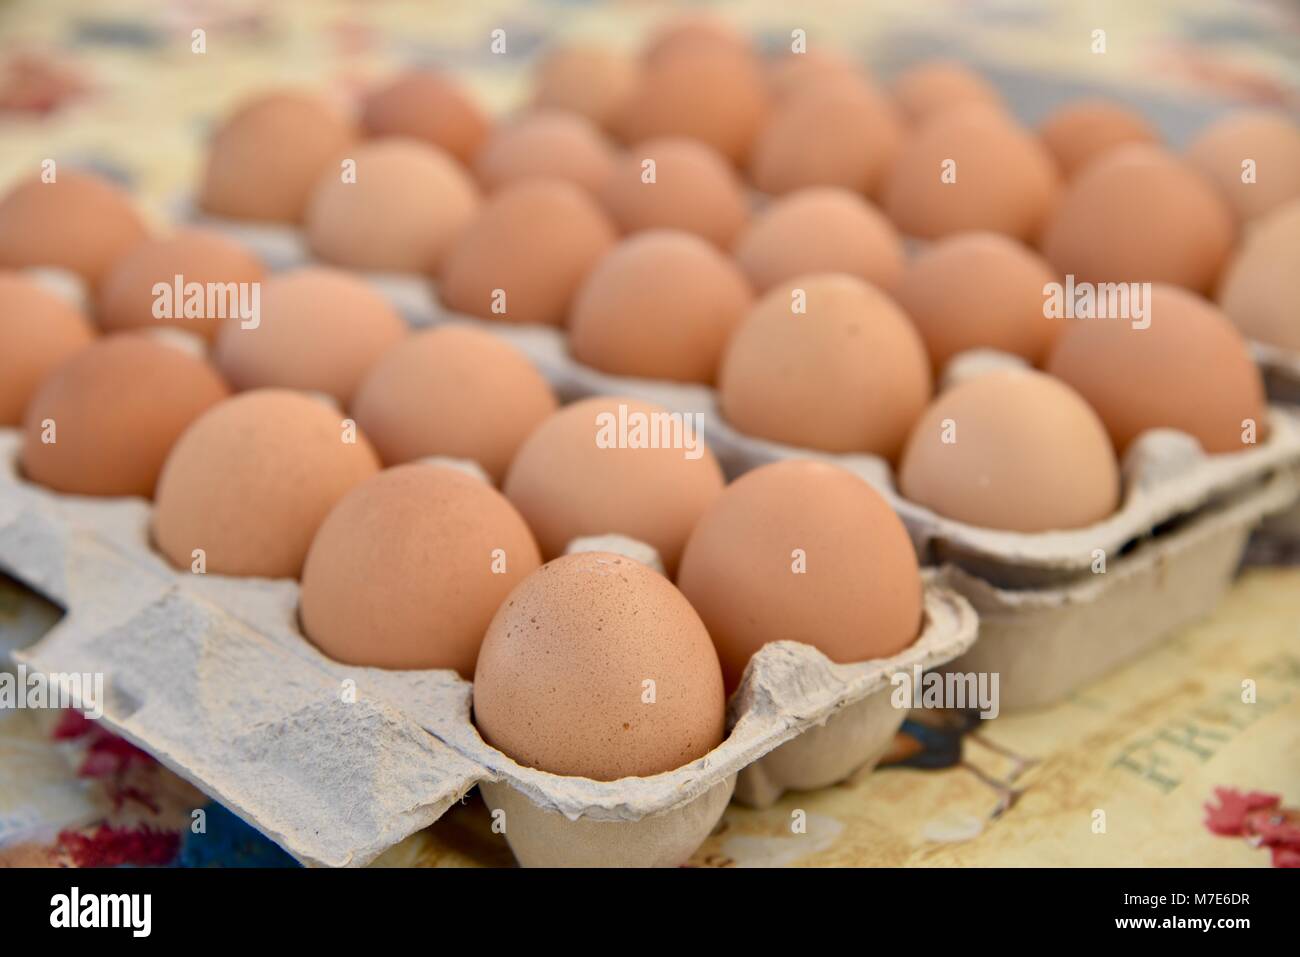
x=212, y=676
x=1281, y=368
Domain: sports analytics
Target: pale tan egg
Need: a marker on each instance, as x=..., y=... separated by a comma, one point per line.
x=523, y=258
x=979, y=291
x=677, y=184
x=1253, y=157
x=562, y=675
x=250, y=481
x=627, y=320
x=264, y=159
x=39, y=331
x=802, y=551
x=1081, y=130
x=1189, y=369
x=792, y=71
x=103, y=422
x=931, y=87
x=319, y=330
x=453, y=391
x=826, y=362
x=1013, y=450
x=426, y=105
x=409, y=202
x=613, y=465
x=971, y=168
x=79, y=222
x=130, y=297
x=820, y=229
x=409, y=567
x=546, y=144
x=1138, y=214
x=832, y=131
x=592, y=81
x=1260, y=289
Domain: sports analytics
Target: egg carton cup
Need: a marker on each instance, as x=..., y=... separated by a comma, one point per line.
x=1281, y=368
x=212, y=676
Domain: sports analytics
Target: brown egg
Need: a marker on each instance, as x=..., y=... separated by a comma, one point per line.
x=265, y=158
x=103, y=422
x=426, y=105
x=409, y=567
x=1189, y=370
x=1012, y=450
x=802, y=551
x=628, y=321
x=705, y=93
x=1261, y=286
x=597, y=667
x=695, y=32
x=971, y=168
x=592, y=81
x=320, y=330
x=677, y=184
x=547, y=144
x=454, y=391
x=127, y=297
x=930, y=88
x=1253, y=157
x=846, y=374
x=252, y=479
x=592, y=469
x=793, y=71
x=523, y=259
x=1082, y=130
x=407, y=206
x=979, y=291
x=80, y=222
x=1139, y=215
x=820, y=229
x=39, y=331
x=834, y=131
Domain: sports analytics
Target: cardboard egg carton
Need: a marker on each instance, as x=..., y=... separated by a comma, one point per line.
x=212, y=676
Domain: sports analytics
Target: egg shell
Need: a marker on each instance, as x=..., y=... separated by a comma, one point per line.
x=1189, y=370
x=803, y=551
x=979, y=290
x=1138, y=214
x=126, y=299
x=452, y=391
x=1081, y=130
x=589, y=80
x=692, y=189
x=320, y=330
x=546, y=144
x=1014, y=450
x=791, y=72
x=628, y=321
x=1005, y=181
x=79, y=222
x=562, y=677
x=409, y=567
x=264, y=159
x=1260, y=288
x=820, y=229
x=251, y=480
x=848, y=374
x=118, y=406
x=534, y=243
x=932, y=87
x=429, y=106
x=39, y=331
x=1270, y=140
x=695, y=32
x=569, y=482
x=409, y=203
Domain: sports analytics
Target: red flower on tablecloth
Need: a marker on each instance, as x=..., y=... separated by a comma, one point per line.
x=1261, y=819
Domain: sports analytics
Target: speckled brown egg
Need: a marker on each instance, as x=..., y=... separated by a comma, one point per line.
x=597, y=667
x=320, y=330
x=103, y=422
x=252, y=479
x=848, y=373
x=1261, y=286
x=592, y=81
x=820, y=229
x=39, y=331
x=548, y=144
x=1081, y=130
x=265, y=158
x=409, y=567
x=1189, y=370
x=80, y=222
x=1253, y=156
x=930, y=88
x=453, y=391
x=128, y=298
x=628, y=321
x=426, y=105
x=590, y=470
